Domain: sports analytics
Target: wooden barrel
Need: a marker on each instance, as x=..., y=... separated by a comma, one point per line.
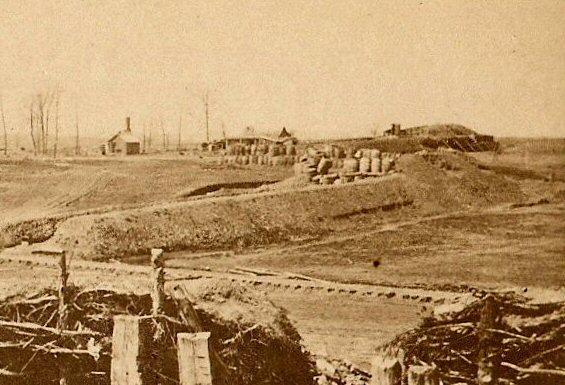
x=351, y=165
x=313, y=160
x=273, y=150
x=376, y=165
x=324, y=166
x=278, y=160
x=387, y=164
x=338, y=152
x=291, y=150
x=365, y=165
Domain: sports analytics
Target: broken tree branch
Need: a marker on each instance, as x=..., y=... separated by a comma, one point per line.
x=553, y=372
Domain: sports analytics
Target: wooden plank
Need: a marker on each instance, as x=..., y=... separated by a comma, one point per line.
x=126, y=348
x=386, y=371
x=194, y=359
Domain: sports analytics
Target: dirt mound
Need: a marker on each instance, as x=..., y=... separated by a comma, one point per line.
x=441, y=130
x=220, y=223
x=430, y=184
x=450, y=180
x=527, y=336
x=254, y=341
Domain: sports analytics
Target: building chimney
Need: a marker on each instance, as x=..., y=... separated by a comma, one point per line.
x=128, y=128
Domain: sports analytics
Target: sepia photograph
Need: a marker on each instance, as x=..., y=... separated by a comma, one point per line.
x=300, y=192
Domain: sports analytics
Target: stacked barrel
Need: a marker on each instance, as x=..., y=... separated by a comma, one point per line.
x=334, y=165
x=260, y=154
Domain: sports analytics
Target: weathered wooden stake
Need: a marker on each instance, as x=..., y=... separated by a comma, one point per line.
x=158, y=277
x=62, y=322
x=386, y=371
x=127, y=341
x=63, y=277
x=422, y=375
x=487, y=373
x=194, y=359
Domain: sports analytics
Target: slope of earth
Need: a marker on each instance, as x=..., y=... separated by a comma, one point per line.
x=37, y=194
x=256, y=220
x=493, y=248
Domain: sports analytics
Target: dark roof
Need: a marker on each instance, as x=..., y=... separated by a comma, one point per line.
x=285, y=134
x=126, y=136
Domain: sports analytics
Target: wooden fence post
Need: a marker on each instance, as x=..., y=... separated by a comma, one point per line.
x=62, y=322
x=127, y=348
x=158, y=278
x=386, y=371
x=422, y=375
x=194, y=359
x=487, y=373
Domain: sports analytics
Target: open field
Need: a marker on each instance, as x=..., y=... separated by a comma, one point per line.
x=34, y=188
x=492, y=249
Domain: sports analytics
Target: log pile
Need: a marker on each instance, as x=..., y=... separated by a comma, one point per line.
x=524, y=344
x=32, y=348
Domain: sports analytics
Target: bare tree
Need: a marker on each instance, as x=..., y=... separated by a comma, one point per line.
x=4, y=126
x=42, y=104
x=40, y=116
x=57, y=97
x=163, y=133
x=32, y=121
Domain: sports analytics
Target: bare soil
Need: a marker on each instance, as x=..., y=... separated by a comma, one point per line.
x=490, y=249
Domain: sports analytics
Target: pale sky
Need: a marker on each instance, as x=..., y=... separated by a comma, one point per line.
x=320, y=68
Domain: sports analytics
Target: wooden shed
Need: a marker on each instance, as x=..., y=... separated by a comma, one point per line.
x=123, y=143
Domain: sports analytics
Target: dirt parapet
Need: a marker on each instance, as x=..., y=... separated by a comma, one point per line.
x=234, y=223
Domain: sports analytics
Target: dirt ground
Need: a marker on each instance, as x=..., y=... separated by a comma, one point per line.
x=33, y=188
x=494, y=248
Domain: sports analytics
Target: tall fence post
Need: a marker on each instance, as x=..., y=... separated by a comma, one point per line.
x=487, y=373
x=194, y=359
x=62, y=322
x=128, y=341
x=158, y=279
x=386, y=371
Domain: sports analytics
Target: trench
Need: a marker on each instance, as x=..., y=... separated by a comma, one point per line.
x=211, y=188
